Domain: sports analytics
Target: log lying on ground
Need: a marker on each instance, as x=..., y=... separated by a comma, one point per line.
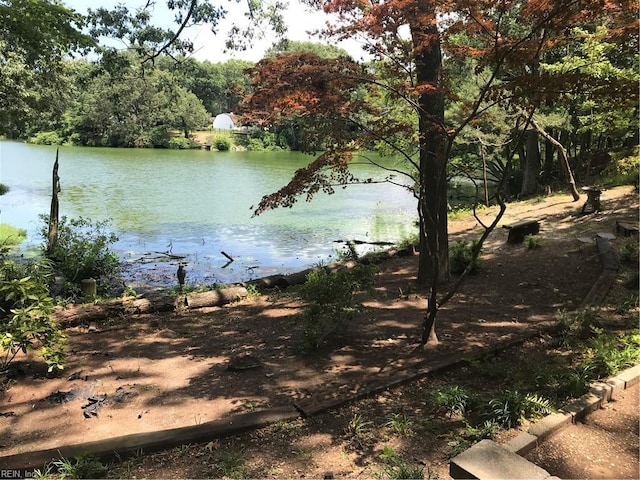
x=77, y=314
x=215, y=298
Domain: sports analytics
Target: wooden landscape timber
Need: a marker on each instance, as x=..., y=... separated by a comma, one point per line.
x=77, y=314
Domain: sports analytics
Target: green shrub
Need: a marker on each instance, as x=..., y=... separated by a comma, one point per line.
x=331, y=302
x=159, y=137
x=610, y=353
x=624, y=168
x=578, y=326
x=179, y=143
x=512, y=407
x=83, y=250
x=46, y=138
x=3, y=189
x=575, y=382
x=222, y=144
x=255, y=144
x=461, y=255
x=25, y=315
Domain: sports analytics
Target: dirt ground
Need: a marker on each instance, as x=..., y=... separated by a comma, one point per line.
x=160, y=371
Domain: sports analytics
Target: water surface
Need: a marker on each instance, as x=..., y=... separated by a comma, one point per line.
x=198, y=204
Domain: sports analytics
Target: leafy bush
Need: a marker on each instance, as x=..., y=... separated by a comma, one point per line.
x=581, y=325
x=25, y=315
x=610, y=353
x=46, y=138
x=624, y=168
x=461, y=255
x=512, y=407
x=83, y=250
x=159, y=137
x=331, y=302
x=222, y=144
x=3, y=189
x=179, y=143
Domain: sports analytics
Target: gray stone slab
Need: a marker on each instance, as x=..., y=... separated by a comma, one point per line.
x=522, y=444
x=583, y=406
x=602, y=390
x=616, y=385
x=550, y=424
x=630, y=376
x=488, y=460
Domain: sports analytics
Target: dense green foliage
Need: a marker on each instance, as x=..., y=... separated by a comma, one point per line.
x=331, y=303
x=25, y=314
x=461, y=256
x=83, y=251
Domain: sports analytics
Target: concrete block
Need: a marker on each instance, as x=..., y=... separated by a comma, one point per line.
x=616, y=385
x=630, y=376
x=583, y=406
x=550, y=424
x=602, y=390
x=522, y=444
x=488, y=460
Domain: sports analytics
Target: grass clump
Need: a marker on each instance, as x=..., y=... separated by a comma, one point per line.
x=453, y=399
x=397, y=468
x=532, y=242
x=11, y=236
x=83, y=466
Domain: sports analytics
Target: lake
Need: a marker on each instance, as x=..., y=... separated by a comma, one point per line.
x=198, y=203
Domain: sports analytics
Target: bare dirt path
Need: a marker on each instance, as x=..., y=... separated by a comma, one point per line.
x=604, y=446
x=158, y=371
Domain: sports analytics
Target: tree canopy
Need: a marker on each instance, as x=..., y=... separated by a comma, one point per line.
x=411, y=42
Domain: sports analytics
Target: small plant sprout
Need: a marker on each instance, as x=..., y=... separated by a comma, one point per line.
x=396, y=468
x=400, y=424
x=452, y=398
x=531, y=242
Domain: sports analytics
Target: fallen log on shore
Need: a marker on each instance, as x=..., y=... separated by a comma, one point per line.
x=77, y=314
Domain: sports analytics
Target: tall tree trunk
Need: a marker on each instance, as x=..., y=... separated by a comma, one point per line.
x=547, y=172
x=531, y=165
x=433, y=265
x=52, y=237
x=564, y=160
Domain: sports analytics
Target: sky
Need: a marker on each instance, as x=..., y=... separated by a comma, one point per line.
x=211, y=47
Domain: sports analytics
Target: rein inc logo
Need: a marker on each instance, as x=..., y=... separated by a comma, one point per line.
x=4, y=473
